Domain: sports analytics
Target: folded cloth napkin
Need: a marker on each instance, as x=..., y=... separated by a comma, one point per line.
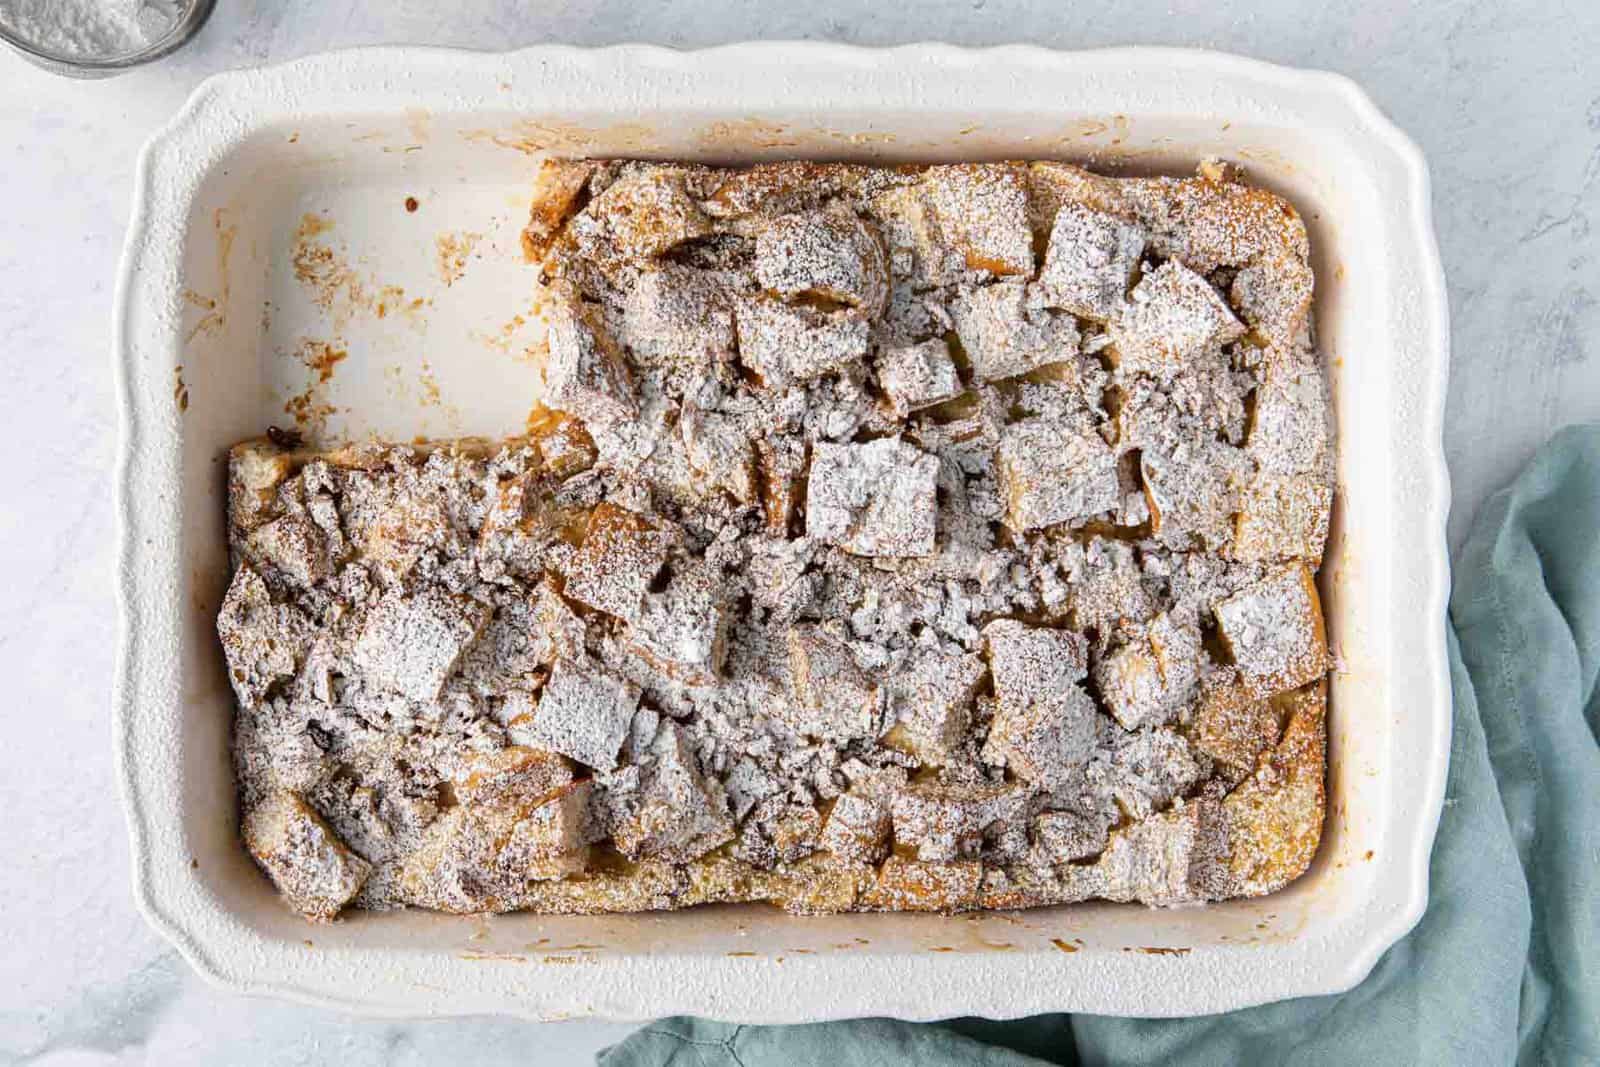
x=1505, y=965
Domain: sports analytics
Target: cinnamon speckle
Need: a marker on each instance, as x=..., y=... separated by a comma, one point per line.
x=429, y=384
x=452, y=252
x=499, y=957
x=309, y=411
x=321, y=357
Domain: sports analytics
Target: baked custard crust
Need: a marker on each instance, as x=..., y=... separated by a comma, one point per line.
x=912, y=538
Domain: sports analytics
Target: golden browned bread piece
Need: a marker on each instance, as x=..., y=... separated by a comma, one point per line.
x=1275, y=816
x=920, y=538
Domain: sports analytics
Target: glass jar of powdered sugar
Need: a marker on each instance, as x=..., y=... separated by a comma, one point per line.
x=98, y=38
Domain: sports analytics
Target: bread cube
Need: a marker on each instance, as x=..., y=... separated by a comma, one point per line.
x=680, y=814
x=931, y=699
x=1035, y=886
x=516, y=712
x=796, y=833
x=1090, y=261
x=551, y=832
x=1148, y=769
x=557, y=196
x=832, y=697
x=1043, y=727
x=777, y=578
x=523, y=637
x=1173, y=319
x=719, y=451
x=858, y=828
x=682, y=630
x=748, y=784
x=1069, y=836
x=645, y=214
x=583, y=713
x=1273, y=295
x=1274, y=631
x=1053, y=473
x=1176, y=857
x=565, y=447
x=295, y=546
x=677, y=319
x=621, y=554
x=1053, y=186
x=263, y=642
x=518, y=773
x=919, y=375
x=1275, y=816
x=483, y=857
x=1233, y=725
x=1148, y=415
x=919, y=256
x=585, y=373
x=1175, y=639
x=905, y=884
x=1129, y=681
x=981, y=210
x=1150, y=678
x=830, y=255
x=556, y=629
x=1289, y=433
x=775, y=188
x=790, y=344
x=1031, y=662
x=1283, y=517
x=1208, y=222
x=1192, y=490
x=1045, y=741
x=820, y=885
x=1106, y=587
x=305, y=859
x=255, y=471
x=949, y=822
x=879, y=783
x=411, y=644
x=514, y=501
x=414, y=524
x=1004, y=336
x=873, y=499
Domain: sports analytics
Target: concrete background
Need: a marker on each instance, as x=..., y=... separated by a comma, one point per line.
x=1504, y=99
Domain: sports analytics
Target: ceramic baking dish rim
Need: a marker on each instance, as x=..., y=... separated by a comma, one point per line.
x=222, y=111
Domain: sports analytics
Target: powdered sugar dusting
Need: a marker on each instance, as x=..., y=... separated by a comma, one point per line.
x=866, y=567
x=88, y=29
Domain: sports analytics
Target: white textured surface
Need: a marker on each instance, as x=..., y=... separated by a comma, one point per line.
x=1503, y=102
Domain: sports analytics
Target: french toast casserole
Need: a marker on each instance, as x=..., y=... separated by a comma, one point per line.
x=889, y=538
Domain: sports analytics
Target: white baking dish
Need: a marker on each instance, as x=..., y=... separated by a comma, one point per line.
x=210, y=315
